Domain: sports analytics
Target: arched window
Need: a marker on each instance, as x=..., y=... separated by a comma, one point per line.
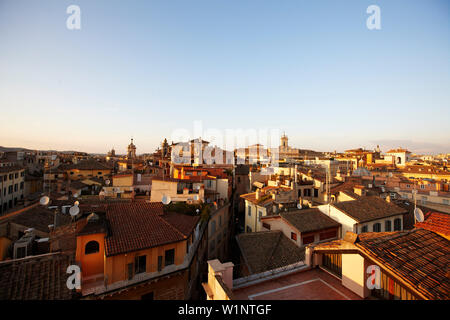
x=377, y=227
x=387, y=225
x=91, y=247
x=397, y=224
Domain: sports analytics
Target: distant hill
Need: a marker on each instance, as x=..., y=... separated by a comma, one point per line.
x=9, y=149
x=6, y=149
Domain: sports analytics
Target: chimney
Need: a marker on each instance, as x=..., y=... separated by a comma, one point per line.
x=258, y=194
x=388, y=198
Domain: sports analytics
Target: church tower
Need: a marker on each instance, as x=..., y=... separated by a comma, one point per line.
x=284, y=143
x=131, y=154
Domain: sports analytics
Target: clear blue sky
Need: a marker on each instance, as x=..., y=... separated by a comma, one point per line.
x=146, y=68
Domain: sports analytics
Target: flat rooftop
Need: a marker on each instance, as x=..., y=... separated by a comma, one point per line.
x=314, y=284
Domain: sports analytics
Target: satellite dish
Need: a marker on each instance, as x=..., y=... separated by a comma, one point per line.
x=76, y=203
x=75, y=195
x=196, y=197
x=44, y=200
x=107, y=182
x=74, y=211
x=197, y=211
x=299, y=206
x=418, y=214
x=166, y=199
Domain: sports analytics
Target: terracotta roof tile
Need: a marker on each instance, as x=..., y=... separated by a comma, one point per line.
x=37, y=278
x=369, y=208
x=139, y=225
x=437, y=222
x=420, y=257
x=309, y=220
x=263, y=251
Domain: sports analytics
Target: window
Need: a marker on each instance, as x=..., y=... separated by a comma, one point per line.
x=377, y=227
x=16, y=175
x=21, y=252
x=169, y=257
x=387, y=225
x=397, y=224
x=259, y=215
x=249, y=211
x=309, y=239
x=316, y=193
x=213, y=227
x=422, y=186
x=220, y=220
x=130, y=271
x=364, y=229
x=408, y=186
x=160, y=261
x=328, y=235
x=266, y=225
x=140, y=264
x=293, y=236
x=147, y=296
x=91, y=247
x=239, y=179
x=21, y=185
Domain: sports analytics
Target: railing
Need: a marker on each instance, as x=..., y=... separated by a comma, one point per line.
x=267, y=275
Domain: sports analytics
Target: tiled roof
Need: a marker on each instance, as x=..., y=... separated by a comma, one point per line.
x=140, y=225
x=264, y=199
x=437, y=222
x=419, y=257
x=368, y=208
x=36, y=217
x=89, y=164
x=347, y=185
x=399, y=150
x=309, y=220
x=37, y=278
x=263, y=251
x=13, y=168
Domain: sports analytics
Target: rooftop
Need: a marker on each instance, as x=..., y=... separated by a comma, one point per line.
x=140, y=225
x=36, y=278
x=437, y=222
x=309, y=220
x=268, y=250
x=419, y=257
x=369, y=208
x=313, y=284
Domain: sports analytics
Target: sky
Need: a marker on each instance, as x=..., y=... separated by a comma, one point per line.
x=145, y=69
